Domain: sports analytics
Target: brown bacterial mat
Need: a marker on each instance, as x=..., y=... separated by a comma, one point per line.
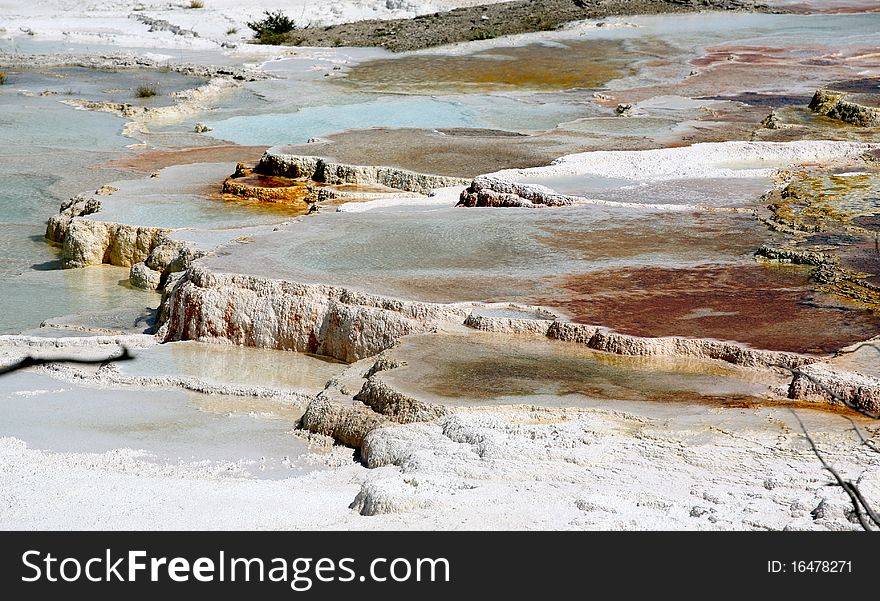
x=769, y=308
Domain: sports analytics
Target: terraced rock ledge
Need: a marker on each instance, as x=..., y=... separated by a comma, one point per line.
x=357, y=328
x=202, y=303
x=277, y=163
x=150, y=252
x=90, y=242
x=852, y=102
x=153, y=254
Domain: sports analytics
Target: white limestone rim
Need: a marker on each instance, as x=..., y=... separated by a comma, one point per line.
x=703, y=160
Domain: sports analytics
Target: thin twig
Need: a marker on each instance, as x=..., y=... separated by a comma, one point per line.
x=868, y=442
x=852, y=491
x=799, y=372
x=861, y=345
x=871, y=513
x=125, y=355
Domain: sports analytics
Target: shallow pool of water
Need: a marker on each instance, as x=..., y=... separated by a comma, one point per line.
x=543, y=66
x=188, y=196
x=139, y=87
x=452, y=254
x=48, y=153
x=35, y=296
x=243, y=436
x=647, y=273
x=491, y=369
x=226, y=364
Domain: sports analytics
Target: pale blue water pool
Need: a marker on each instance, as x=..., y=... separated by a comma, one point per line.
x=48, y=153
x=298, y=127
x=170, y=426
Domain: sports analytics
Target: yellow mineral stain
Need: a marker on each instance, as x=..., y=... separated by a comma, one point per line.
x=580, y=64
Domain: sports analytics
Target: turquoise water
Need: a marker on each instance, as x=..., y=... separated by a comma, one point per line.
x=48, y=153
x=493, y=112
x=303, y=103
x=22, y=203
x=308, y=122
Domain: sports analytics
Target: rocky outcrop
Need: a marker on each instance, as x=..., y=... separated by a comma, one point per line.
x=609, y=341
x=840, y=105
x=827, y=384
x=288, y=165
x=489, y=191
x=506, y=325
x=773, y=121
x=88, y=242
x=141, y=276
x=279, y=314
x=349, y=325
x=400, y=407
x=78, y=206
x=163, y=25
x=328, y=172
x=795, y=256
x=148, y=251
x=810, y=201
x=389, y=495
x=348, y=424
x=349, y=419
x=602, y=339
x=848, y=284
x=166, y=258
x=274, y=188
x=510, y=187
x=280, y=194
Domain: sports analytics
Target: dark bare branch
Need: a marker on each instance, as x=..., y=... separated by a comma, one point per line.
x=859, y=347
x=124, y=355
x=871, y=513
x=852, y=491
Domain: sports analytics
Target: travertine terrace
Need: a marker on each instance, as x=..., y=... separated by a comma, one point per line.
x=605, y=272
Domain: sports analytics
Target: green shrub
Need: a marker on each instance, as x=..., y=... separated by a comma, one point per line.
x=273, y=28
x=232, y=31
x=274, y=39
x=196, y=4
x=147, y=91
